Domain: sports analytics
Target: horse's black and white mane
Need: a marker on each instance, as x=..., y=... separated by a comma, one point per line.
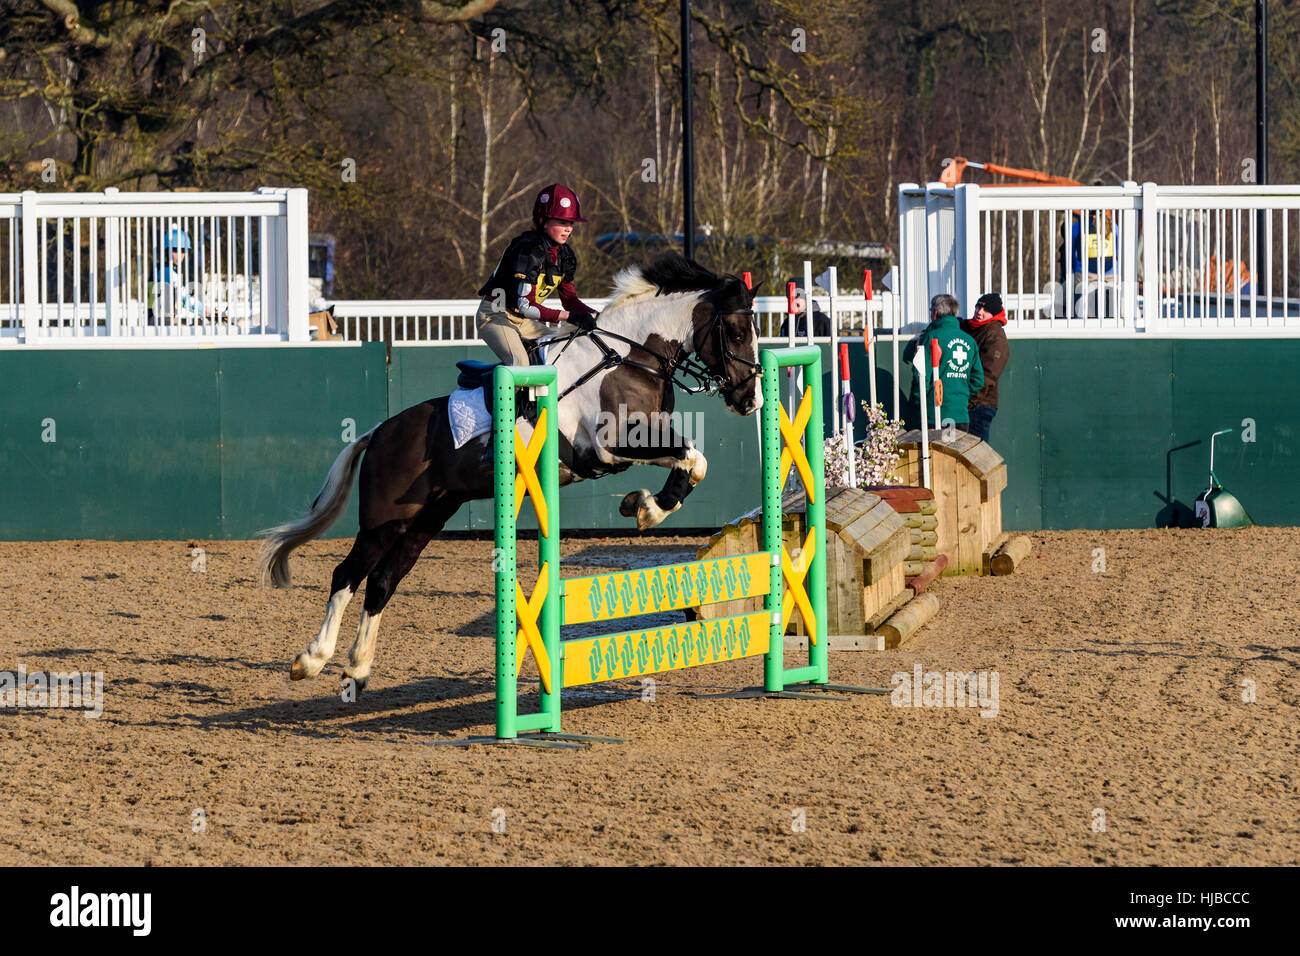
x=667, y=274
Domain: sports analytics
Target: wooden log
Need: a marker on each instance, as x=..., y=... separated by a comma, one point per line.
x=1012, y=553
x=890, y=609
x=914, y=615
x=913, y=568
x=993, y=549
x=921, y=522
x=923, y=552
x=923, y=537
x=933, y=569
x=911, y=507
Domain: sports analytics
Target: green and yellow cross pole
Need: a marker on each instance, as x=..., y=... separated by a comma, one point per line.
x=782, y=453
x=529, y=469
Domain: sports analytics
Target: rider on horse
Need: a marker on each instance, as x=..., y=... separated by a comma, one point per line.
x=535, y=264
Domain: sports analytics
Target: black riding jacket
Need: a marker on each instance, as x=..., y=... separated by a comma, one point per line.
x=532, y=268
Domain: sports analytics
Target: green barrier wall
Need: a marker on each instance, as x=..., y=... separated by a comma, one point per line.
x=1114, y=433
x=218, y=443
x=176, y=443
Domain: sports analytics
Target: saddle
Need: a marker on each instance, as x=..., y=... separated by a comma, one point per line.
x=476, y=374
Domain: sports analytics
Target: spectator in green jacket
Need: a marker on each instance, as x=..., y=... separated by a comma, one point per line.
x=960, y=373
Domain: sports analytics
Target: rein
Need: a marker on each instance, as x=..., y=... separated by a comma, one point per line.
x=705, y=381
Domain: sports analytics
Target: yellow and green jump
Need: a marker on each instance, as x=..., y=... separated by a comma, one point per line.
x=528, y=468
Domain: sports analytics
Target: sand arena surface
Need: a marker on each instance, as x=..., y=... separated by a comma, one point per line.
x=1118, y=692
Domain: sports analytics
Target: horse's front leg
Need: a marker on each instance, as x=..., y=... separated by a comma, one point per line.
x=686, y=469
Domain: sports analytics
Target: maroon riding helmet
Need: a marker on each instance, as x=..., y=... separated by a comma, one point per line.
x=556, y=202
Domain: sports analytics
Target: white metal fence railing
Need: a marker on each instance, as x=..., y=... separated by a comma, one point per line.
x=1111, y=259
x=139, y=267
x=451, y=321
x=447, y=321
x=1119, y=260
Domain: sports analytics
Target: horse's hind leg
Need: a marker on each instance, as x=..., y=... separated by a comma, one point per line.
x=367, y=551
x=383, y=581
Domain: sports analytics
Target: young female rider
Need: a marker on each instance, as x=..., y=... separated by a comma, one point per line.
x=534, y=265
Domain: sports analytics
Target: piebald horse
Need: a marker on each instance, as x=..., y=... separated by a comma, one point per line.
x=666, y=321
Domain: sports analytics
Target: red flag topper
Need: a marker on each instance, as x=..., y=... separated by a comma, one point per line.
x=866, y=315
x=850, y=406
x=749, y=280
x=935, y=352
x=789, y=298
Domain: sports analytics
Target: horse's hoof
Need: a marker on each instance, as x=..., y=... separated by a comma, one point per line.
x=650, y=515
x=358, y=684
x=631, y=503
x=296, y=670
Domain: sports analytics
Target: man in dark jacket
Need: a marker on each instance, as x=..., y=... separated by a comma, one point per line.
x=821, y=321
x=988, y=329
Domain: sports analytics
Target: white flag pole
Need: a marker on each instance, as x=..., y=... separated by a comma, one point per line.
x=832, y=285
x=789, y=326
x=868, y=338
x=758, y=414
x=918, y=362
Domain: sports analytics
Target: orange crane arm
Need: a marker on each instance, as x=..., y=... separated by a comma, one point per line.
x=953, y=169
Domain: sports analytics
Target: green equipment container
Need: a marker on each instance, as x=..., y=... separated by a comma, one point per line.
x=1216, y=507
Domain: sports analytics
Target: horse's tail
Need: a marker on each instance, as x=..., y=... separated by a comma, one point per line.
x=273, y=556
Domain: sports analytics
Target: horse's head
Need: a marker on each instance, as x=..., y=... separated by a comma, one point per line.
x=721, y=334
x=726, y=340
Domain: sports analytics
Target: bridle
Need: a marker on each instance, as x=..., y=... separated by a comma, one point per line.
x=716, y=328
x=672, y=367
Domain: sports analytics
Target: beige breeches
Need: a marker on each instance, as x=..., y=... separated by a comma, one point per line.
x=504, y=334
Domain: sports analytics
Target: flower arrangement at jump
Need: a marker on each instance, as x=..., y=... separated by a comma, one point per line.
x=875, y=457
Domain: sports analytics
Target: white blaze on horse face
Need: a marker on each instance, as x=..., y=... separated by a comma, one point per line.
x=756, y=380
x=756, y=399
x=313, y=660
x=363, y=651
